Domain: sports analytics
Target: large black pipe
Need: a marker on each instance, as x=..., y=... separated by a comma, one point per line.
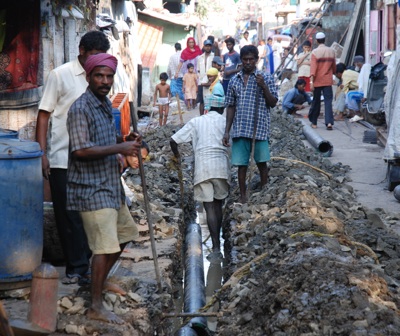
x=194, y=287
x=323, y=146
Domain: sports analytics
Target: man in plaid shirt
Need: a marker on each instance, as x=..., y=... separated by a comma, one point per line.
x=250, y=96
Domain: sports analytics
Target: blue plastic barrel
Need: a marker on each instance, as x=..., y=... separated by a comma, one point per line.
x=117, y=118
x=6, y=133
x=21, y=209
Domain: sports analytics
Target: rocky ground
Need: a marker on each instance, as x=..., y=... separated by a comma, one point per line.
x=302, y=256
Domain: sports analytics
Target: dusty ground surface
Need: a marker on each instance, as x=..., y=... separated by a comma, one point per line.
x=303, y=257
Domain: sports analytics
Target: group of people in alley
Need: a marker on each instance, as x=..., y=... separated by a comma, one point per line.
x=84, y=157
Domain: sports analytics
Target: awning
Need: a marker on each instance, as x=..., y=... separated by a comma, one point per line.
x=150, y=40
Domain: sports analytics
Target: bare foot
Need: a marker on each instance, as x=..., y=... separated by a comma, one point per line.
x=103, y=315
x=243, y=199
x=112, y=287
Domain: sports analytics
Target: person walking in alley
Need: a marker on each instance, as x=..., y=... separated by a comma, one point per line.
x=164, y=98
x=190, y=87
x=232, y=62
x=64, y=85
x=304, y=63
x=96, y=193
x=251, y=95
x=212, y=169
x=176, y=82
x=204, y=62
x=322, y=69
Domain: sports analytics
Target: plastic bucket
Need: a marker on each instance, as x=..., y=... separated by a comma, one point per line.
x=21, y=208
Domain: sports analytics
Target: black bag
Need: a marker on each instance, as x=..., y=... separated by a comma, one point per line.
x=378, y=71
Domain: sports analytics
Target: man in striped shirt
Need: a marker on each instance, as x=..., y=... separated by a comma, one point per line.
x=211, y=172
x=323, y=67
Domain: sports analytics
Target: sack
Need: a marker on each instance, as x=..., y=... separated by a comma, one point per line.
x=378, y=71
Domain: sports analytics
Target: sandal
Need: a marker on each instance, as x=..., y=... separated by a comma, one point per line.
x=71, y=279
x=329, y=127
x=313, y=126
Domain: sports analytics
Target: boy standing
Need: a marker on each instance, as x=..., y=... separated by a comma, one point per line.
x=164, y=97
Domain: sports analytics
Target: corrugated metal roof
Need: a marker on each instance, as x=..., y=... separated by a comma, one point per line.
x=150, y=40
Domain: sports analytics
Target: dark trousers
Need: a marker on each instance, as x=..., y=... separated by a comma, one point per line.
x=69, y=225
x=316, y=105
x=225, y=83
x=300, y=99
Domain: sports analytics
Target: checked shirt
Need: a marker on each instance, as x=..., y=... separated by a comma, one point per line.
x=92, y=184
x=244, y=99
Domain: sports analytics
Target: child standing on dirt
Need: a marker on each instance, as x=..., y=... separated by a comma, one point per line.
x=164, y=97
x=189, y=88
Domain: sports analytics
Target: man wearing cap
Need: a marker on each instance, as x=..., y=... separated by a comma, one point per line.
x=211, y=162
x=204, y=62
x=322, y=69
x=94, y=186
x=173, y=64
x=63, y=86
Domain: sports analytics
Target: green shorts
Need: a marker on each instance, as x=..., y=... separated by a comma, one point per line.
x=241, y=150
x=107, y=228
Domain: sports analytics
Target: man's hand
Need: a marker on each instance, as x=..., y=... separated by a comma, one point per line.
x=131, y=147
x=299, y=107
x=225, y=139
x=45, y=167
x=260, y=81
x=132, y=136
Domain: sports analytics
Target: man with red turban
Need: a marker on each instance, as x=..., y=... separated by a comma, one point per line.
x=94, y=186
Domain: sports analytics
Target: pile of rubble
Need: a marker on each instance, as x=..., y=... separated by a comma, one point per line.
x=305, y=257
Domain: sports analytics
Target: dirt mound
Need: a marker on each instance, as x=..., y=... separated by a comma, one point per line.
x=316, y=274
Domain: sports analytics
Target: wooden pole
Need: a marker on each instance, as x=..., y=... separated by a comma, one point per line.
x=5, y=328
x=179, y=108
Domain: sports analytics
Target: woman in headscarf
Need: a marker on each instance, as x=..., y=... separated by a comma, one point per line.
x=188, y=55
x=215, y=88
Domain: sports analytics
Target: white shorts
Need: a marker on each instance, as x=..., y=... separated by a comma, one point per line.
x=211, y=189
x=163, y=101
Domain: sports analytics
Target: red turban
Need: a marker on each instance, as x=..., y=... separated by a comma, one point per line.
x=100, y=60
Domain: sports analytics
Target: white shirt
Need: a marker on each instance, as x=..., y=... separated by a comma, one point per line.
x=203, y=65
x=173, y=65
x=64, y=85
x=363, y=79
x=210, y=155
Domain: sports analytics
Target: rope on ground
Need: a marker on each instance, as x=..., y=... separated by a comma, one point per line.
x=313, y=233
x=303, y=163
x=234, y=279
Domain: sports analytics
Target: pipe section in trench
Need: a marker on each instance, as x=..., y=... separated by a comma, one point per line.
x=322, y=145
x=194, y=287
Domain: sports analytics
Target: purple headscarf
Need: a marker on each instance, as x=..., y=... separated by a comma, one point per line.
x=100, y=60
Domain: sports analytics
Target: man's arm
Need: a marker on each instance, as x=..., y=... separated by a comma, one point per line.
x=42, y=125
x=98, y=152
x=268, y=96
x=230, y=114
x=174, y=148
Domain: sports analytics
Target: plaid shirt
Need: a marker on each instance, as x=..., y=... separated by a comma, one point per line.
x=92, y=184
x=244, y=99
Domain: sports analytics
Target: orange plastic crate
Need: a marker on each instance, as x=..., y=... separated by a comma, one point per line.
x=120, y=101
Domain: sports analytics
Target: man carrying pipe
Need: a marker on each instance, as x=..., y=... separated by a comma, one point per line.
x=250, y=96
x=211, y=171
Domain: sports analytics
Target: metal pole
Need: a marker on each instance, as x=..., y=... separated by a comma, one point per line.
x=367, y=32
